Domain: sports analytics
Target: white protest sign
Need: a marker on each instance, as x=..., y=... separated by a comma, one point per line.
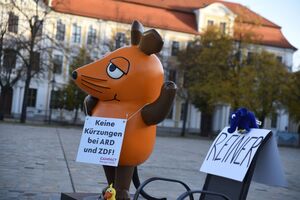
x=101, y=141
x=231, y=154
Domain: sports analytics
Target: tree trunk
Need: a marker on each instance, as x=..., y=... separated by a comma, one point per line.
x=76, y=115
x=5, y=105
x=262, y=122
x=298, y=136
x=262, y=119
x=2, y=103
x=206, y=124
x=185, y=112
x=24, y=104
x=28, y=75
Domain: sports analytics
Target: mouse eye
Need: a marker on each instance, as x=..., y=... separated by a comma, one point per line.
x=113, y=71
x=233, y=116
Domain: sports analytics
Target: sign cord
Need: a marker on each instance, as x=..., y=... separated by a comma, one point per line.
x=127, y=115
x=132, y=115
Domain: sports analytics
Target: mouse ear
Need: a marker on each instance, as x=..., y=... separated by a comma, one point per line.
x=151, y=42
x=137, y=30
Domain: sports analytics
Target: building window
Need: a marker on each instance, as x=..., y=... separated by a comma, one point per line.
x=56, y=99
x=91, y=39
x=13, y=23
x=57, y=64
x=189, y=45
x=279, y=58
x=223, y=27
x=120, y=40
x=172, y=75
x=35, y=61
x=9, y=59
x=73, y=59
x=175, y=48
x=76, y=36
x=274, y=120
x=60, y=31
x=250, y=58
x=31, y=97
x=210, y=23
x=40, y=28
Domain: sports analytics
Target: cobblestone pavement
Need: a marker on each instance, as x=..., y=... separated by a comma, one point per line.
x=38, y=162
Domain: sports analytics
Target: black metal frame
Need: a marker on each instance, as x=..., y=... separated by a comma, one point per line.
x=141, y=187
x=188, y=193
x=137, y=184
x=230, y=188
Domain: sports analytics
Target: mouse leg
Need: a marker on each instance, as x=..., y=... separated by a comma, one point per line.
x=110, y=176
x=123, y=178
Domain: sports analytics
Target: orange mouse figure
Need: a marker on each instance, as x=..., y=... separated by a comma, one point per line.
x=128, y=83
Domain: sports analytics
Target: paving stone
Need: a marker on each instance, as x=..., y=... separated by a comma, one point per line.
x=38, y=162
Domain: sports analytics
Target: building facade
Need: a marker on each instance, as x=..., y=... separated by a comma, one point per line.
x=100, y=26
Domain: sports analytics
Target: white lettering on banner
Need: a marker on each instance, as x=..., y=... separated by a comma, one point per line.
x=101, y=141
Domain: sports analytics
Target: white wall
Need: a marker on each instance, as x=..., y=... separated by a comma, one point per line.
x=220, y=117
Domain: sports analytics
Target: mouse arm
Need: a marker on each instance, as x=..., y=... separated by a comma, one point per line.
x=89, y=104
x=155, y=112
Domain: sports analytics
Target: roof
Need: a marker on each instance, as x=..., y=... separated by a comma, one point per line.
x=244, y=14
x=126, y=12
x=270, y=36
x=175, y=15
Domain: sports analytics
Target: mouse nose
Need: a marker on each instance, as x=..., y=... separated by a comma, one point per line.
x=74, y=75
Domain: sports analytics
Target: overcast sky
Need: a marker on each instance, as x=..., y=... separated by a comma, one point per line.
x=285, y=13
